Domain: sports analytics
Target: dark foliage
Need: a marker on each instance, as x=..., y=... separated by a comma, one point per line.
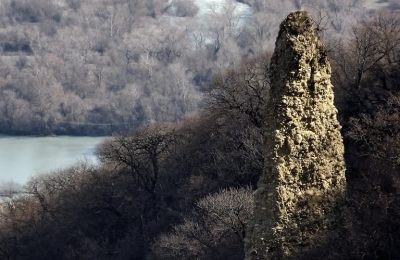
x=149, y=180
x=366, y=76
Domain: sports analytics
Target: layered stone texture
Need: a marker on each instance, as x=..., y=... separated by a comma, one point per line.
x=299, y=198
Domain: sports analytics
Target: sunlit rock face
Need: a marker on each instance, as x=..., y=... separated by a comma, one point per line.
x=299, y=199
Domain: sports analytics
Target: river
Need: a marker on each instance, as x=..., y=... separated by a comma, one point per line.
x=23, y=157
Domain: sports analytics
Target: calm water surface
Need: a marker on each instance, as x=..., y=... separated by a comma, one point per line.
x=24, y=157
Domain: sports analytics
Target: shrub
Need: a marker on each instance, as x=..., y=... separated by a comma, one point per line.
x=215, y=230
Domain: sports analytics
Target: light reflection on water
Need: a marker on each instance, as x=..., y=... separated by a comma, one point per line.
x=24, y=157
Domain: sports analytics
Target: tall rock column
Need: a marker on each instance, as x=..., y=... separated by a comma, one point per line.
x=299, y=198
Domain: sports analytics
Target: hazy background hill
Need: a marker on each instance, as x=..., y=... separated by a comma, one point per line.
x=91, y=67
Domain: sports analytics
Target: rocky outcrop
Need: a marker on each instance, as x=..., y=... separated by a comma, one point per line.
x=299, y=198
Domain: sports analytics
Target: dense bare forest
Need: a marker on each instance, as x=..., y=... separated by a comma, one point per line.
x=183, y=190
x=93, y=67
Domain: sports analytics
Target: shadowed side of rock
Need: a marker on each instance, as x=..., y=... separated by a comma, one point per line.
x=299, y=198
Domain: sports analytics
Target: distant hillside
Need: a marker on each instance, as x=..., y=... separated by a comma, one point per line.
x=92, y=67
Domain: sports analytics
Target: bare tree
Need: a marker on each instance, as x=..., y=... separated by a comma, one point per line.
x=367, y=60
x=216, y=229
x=378, y=134
x=140, y=153
x=244, y=89
x=9, y=189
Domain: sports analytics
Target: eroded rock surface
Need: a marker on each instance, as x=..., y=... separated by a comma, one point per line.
x=299, y=199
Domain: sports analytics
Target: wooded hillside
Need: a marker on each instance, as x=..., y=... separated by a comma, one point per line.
x=93, y=67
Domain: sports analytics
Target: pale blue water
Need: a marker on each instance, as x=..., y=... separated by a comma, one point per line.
x=24, y=157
